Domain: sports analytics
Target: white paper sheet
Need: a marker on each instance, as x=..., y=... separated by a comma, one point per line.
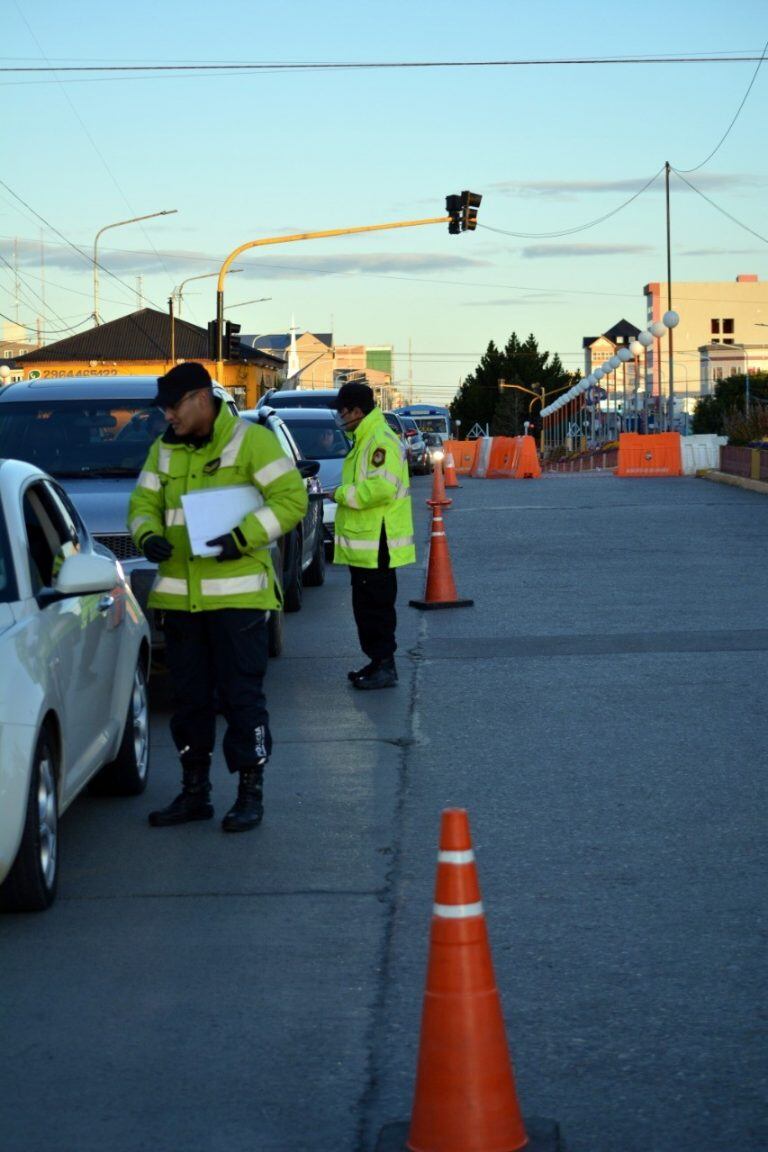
x=215, y=511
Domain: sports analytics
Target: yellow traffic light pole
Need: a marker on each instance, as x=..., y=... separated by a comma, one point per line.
x=538, y=397
x=292, y=240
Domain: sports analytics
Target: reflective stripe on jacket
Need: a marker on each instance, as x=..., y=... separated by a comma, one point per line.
x=374, y=491
x=238, y=453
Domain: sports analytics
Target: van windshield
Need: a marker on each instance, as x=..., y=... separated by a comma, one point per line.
x=80, y=437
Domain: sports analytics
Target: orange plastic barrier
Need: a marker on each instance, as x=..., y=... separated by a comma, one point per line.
x=465, y=1098
x=527, y=466
x=502, y=459
x=482, y=457
x=514, y=457
x=463, y=452
x=656, y=455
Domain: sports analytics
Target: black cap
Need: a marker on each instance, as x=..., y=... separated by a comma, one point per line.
x=182, y=378
x=355, y=394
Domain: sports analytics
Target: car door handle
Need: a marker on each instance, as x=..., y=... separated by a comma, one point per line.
x=106, y=602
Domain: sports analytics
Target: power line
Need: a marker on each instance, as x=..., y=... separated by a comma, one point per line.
x=74, y=247
x=725, y=135
x=579, y=227
x=371, y=65
x=91, y=141
x=47, y=331
x=719, y=209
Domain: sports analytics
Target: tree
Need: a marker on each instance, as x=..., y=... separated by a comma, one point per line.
x=482, y=400
x=723, y=412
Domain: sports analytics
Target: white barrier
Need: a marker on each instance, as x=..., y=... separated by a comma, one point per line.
x=698, y=452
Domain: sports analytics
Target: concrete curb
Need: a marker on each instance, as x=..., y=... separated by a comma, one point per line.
x=735, y=481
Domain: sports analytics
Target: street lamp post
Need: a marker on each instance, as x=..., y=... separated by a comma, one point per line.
x=117, y=224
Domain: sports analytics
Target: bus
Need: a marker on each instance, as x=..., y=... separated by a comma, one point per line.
x=430, y=418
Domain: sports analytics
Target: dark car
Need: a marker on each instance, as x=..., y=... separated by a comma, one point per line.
x=319, y=436
x=303, y=548
x=298, y=398
x=92, y=434
x=419, y=457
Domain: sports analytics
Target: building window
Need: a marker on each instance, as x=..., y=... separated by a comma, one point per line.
x=718, y=373
x=714, y=327
x=727, y=341
x=728, y=327
x=714, y=341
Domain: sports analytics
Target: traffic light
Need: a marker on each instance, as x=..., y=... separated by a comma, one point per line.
x=470, y=202
x=231, y=350
x=213, y=339
x=453, y=208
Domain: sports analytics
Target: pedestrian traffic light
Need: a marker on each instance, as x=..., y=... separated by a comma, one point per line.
x=470, y=202
x=453, y=208
x=231, y=341
x=213, y=339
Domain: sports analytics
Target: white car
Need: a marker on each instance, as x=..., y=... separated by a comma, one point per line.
x=74, y=660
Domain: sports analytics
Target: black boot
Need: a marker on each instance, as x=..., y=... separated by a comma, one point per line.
x=352, y=676
x=192, y=803
x=382, y=675
x=248, y=809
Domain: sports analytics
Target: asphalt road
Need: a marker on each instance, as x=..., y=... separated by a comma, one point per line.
x=600, y=712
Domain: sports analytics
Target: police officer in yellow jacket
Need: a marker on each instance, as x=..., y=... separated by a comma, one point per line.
x=215, y=607
x=373, y=530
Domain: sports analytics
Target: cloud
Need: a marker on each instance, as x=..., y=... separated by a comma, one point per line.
x=280, y=267
x=572, y=189
x=722, y=251
x=545, y=251
x=533, y=300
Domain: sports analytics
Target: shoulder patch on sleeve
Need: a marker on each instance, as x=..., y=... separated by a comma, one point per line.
x=378, y=457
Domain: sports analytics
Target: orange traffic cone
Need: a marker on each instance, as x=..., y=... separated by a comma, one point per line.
x=449, y=468
x=464, y=1099
x=438, y=497
x=440, y=591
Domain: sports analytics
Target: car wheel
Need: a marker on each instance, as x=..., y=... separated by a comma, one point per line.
x=275, y=632
x=30, y=886
x=293, y=585
x=315, y=573
x=127, y=774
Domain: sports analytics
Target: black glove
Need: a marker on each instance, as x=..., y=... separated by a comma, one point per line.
x=228, y=545
x=156, y=548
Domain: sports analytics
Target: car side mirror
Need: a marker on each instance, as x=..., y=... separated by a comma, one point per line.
x=308, y=468
x=85, y=572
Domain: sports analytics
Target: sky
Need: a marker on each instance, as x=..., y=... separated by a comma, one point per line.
x=254, y=154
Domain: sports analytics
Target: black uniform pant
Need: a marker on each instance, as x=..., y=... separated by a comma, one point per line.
x=374, y=592
x=219, y=659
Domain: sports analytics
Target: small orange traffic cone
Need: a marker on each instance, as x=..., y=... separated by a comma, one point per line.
x=449, y=468
x=440, y=590
x=438, y=497
x=465, y=1098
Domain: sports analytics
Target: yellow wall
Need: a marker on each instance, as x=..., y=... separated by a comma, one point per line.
x=247, y=381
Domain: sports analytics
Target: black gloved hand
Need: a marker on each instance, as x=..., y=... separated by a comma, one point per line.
x=156, y=548
x=228, y=545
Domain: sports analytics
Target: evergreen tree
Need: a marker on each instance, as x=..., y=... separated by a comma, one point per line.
x=482, y=400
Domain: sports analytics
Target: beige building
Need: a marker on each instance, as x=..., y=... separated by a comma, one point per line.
x=713, y=315
x=719, y=361
x=323, y=364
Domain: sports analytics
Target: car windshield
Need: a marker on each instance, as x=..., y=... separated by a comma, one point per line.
x=80, y=437
x=7, y=580
x=319, y=439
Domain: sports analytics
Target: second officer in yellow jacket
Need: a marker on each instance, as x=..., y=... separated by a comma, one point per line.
x=374, y=529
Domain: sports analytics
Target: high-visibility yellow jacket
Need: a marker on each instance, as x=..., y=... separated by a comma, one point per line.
x=374, y=491
x=239, y=453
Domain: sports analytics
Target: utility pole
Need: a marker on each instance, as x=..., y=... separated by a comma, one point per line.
x=410, y=372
